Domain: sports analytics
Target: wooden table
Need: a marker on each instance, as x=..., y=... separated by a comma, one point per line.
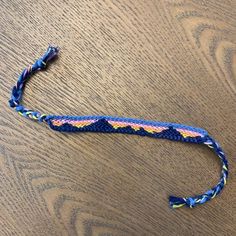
x=162, y=60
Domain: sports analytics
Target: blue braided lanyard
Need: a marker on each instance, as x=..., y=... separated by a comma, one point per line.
x=109, y=124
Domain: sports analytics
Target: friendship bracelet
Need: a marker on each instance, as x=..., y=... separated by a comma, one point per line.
x=110, y=124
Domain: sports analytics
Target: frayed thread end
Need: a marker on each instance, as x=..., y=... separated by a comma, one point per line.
x=176, y=202
x=51, y=53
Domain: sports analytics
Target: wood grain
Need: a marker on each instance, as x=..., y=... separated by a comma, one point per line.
x=159, y=60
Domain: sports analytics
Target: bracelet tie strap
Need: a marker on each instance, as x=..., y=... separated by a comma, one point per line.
x=110, y=124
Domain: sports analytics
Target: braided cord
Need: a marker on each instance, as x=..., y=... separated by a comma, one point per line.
x=176, y=202
x=109, y=124
x=17, y=91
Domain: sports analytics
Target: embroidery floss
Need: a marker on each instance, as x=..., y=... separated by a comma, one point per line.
x=109, y=124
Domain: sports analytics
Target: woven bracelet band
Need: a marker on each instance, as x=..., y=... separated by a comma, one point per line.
x=109, y=124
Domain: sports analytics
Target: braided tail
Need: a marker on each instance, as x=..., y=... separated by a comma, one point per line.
x=176, y=202
x=17, y=90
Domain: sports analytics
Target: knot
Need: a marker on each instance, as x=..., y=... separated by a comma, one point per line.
x=41, y=64
x=176, y=202
x=190, y=202
x=50, y=53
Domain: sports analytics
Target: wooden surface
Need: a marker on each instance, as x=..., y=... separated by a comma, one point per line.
x=159, y=60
